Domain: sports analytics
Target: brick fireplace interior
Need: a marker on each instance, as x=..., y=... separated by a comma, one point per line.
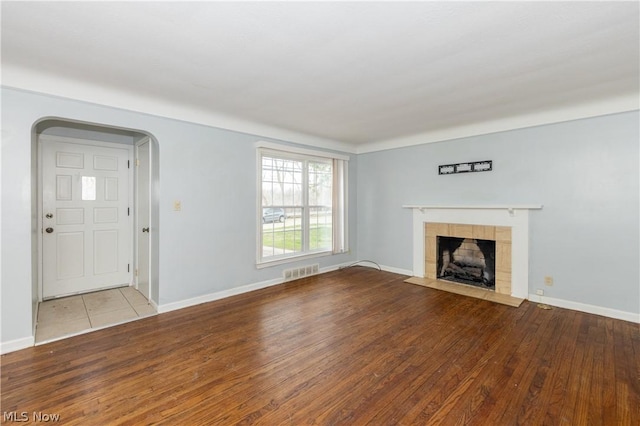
x=468, y=261
x=469, y=244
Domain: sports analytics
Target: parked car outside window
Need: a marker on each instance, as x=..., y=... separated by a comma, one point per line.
x=273, y=215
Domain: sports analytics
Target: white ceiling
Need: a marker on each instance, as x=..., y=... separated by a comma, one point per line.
x=351, y=74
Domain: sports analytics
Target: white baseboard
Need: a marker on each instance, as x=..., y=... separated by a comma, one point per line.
x=333, y=267
x=397, y=270
x=168, y=307
x=583, y=307
x=16, y=345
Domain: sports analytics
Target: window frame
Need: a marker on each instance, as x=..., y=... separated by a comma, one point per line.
x=296, y=153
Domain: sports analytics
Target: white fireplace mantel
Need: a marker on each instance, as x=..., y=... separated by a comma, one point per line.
x=515, y=216
x=511, y=208
x=495, y=206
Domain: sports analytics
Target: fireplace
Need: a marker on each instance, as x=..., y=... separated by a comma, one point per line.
x=506, y=226
x=467, y=261
x=462, y=242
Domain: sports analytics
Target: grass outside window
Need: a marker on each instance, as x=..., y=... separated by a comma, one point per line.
x=291, y=238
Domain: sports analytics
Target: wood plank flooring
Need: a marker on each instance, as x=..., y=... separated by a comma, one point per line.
x=351, y=347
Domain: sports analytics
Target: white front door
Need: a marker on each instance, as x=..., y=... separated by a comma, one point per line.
x=86, y=240
x=142, y=216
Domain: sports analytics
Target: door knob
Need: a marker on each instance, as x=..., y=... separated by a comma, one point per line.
x=49, y=215
x=49, y=230
x=145, y=229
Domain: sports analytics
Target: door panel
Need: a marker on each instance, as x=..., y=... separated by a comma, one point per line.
x=71, y=265
x=105, y=252
x=105, y=215
x=86, y=229
x=70, y=160
x=63, y=188
x=69, y=216
x=111, y=189
x=103, y=162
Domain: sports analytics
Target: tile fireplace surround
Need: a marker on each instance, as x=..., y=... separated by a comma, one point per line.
x=508, y=225
x=500, y=234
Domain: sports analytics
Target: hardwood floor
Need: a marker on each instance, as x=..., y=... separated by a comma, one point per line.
x=351, y=347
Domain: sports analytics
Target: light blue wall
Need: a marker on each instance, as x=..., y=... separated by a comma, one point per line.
x=209, y=246
x=585, y=172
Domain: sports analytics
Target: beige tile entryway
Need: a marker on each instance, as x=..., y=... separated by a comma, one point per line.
x=72, y=315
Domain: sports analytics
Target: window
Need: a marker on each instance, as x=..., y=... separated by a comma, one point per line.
x=302, y=207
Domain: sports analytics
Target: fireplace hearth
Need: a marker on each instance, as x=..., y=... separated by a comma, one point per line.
x=467, y=261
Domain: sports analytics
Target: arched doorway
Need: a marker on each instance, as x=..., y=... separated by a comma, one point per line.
x=88, y=212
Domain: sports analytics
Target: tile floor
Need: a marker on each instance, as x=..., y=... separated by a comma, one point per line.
x=72, y=315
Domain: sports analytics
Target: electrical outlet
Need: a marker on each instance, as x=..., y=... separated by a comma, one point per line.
x=177, y=206
x=540, y=292
x=548, y=281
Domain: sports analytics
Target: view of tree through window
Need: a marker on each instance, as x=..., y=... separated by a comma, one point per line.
x=296, y=205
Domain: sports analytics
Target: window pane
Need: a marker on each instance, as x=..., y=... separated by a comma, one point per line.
x=281, y=231
x=281, y=182
x=320, y=230
x=88, y=188
x=320, y=205
x=297, y=202
x=320, y=182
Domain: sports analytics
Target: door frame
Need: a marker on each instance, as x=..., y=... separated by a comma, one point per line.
x=42, y=138
x=137, y=246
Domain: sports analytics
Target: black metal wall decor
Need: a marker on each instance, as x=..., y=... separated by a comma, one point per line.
x=475, y=166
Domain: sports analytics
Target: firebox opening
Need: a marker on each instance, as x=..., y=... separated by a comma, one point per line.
x=467, y=261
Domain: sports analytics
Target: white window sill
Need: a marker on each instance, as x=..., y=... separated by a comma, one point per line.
x=277, y=260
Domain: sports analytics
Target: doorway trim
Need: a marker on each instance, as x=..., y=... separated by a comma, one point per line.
x=138, y=223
